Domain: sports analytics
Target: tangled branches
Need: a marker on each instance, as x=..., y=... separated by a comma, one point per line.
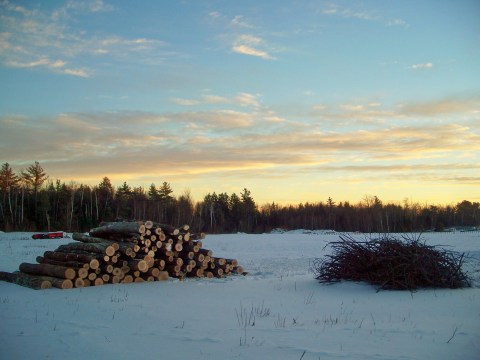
x=391, y=264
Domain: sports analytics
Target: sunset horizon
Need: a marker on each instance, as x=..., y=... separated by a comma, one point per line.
x=294, y=101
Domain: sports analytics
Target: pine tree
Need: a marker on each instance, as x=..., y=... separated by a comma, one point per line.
x=165, y=191
x=8, y=182
x=104, y=199
x=34, y=177
x=153, y=192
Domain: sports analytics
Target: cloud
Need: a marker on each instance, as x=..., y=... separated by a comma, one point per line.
x=251, y=45
x=186, y=102
x=239, y=21
x=397, y=22
x=246, y=99
x=41, y=39
x=242, y=99
x=251, y=51
x=241, y=43
x=248, y=45
x=462, y=105
x=84, y=73
x=358, y=12
x=57, y=66
x=462, y=109
x=423, y=66
x=245, y=140
x=345, y=12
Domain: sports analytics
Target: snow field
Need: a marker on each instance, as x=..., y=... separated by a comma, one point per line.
x=278, y=311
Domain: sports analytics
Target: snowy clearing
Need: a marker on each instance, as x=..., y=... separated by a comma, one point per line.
x=278, y=311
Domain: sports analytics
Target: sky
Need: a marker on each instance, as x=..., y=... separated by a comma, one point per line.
x=297, y=101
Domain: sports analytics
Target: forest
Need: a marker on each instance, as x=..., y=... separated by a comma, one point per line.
x=31, y=201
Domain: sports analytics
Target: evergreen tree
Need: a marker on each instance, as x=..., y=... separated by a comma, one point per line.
x=8, y=183
x=122, y=201
x=34, y=177
x=165, y=191
x=104, y=200
x=153, y=192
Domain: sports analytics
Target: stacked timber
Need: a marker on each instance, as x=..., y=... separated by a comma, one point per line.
x=124, y=252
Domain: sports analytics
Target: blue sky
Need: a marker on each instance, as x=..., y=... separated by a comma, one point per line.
x=295, y=100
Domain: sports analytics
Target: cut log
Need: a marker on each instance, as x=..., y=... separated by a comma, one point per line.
x=238, y=270
x=219, y=261
x=163, y=276
x=233, y=262
x=140, y=265
x=148, y=224
x=59, y=283
x=167, y=229
x=197, y=236
x=62, y=256
x=173, y=268
x=155, y=272
x=62, y=272
x=87, y=238
x=72, y=264
x=79, y=283
x=94, y=264
x=31, y=281
x=127, y=279
x=104, y=248
x=217, y=272
x=205, y=252
x=82, y=273
x=123, y=228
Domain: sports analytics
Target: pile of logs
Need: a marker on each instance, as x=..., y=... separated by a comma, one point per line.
x=124, y=252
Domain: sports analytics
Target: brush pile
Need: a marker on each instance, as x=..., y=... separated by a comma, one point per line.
x=391, y=264
x=124, y=252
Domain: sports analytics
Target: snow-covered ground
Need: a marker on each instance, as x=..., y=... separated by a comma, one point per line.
x=278, y=311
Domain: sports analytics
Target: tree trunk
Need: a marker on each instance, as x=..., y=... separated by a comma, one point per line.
x=105, y=248
x=31, y=281
x=115, y=228
x=71, y=264
x=91, y=259
x=62, y=272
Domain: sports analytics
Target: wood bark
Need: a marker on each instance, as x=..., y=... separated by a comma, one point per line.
x=72, y=264
x=126, y=252
x=123, y=228
x=105, y=248
x=48, y=270
x=27, y=280
x=87, y=238
x=58, y=283
x=81, y=258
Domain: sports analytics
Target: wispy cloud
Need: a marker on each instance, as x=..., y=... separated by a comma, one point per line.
x=251, y=45
x=422, y=66
x=248, y=139
x=346, y=12
x=242, y=99
x=397, y=22
x=58, y=66
x=234, y=32
x=461, y=105
x=41, y=39
x=240, y=22
x=359, y=12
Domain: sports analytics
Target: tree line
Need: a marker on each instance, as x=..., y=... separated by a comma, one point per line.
x=31, y=201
